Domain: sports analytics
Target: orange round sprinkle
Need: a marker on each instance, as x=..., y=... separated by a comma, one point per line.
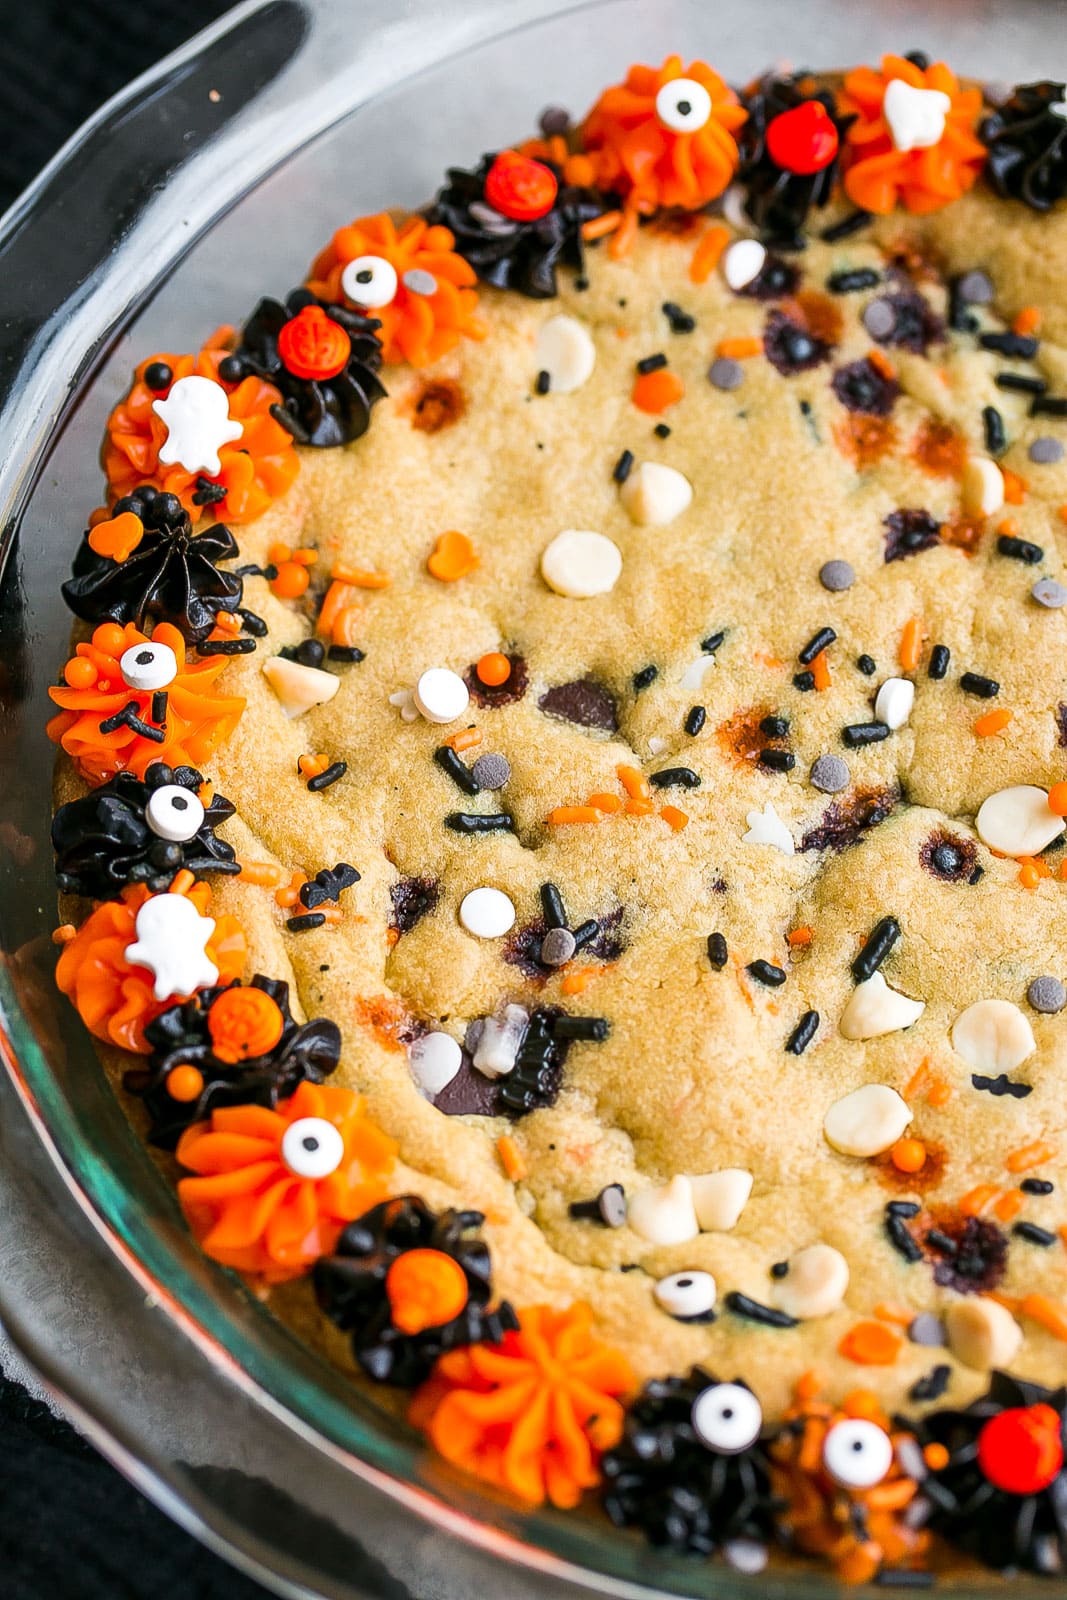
x=110, y=639
x=936, y=1457
x=244, y=1022
x=655, y=391
x=799, y=936
x=185, y=1083
x=1028, y=320
x=908, y=1155
x=1057, y=799
x=80, y=673
x=493, y=669
x=452, y=557
x=64, y=933
x=425, y=1289
x=292, y=580
x=1029, y=876
x=870, y=1344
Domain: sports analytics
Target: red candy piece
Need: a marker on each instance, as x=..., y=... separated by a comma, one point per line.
x=1021, y=1450
x=312, y=345
x=519, y=187
x=803, y=140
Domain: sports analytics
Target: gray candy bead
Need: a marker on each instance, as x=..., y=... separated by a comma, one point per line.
x=830, y=774
x=1047, y=994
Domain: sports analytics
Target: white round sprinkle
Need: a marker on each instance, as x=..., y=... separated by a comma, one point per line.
x=746, y=1555
x=312, y=1147
x=993, y=1036
x=816, y=1283
x=894, y=701
x=298, y=687
x=197, y=417
x=172, y=940
x=1050, y=594
x=416, y=281
x=174, y=813
x=727, y=1418
x=874, y=1009
x=720, y=1198
x=767, y=827
x=653, y=494
x=867, y=1121
x=982, y=489
x=915, y=117
x=683, y=105
x=686, y=1294
x=742, y=262
x=487, y=913
x=856, y=1453
x=982, y=1333
x=565, y=350
x=148, y=666
x=664, y=1215
x=434, y=1061
x=441, y=695
x=1018, y=821
x=370, y=281
x=581, y=565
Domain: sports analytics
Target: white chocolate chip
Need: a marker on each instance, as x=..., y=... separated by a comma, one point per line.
x=664, y=1215
x=654, y=494
x=298, y=687
x=434, y=1061
x=874, y=1009
x=993, y=1036
x=499, y=1042
x=767, y=827
x=172, y=940
x=581, y=565
x=894, y=701
x=693, y=676
x=867, y=1121
x=566, y=352
x=196, y=414
x=686, y=1294
x=982, y=1333
x=816, y=1283
x=487, y=913
x=742, y=262
x=720, y=1198
x=1018, y=821
x=441, y=695
x=915, y=117
x=982, y=489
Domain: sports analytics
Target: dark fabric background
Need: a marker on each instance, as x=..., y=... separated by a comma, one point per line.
x=70, y=1527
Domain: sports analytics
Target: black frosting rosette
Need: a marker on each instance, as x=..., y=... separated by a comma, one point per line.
x=133, y=830
x=353, y=1288
x=172, y=575
x=1027, y=144
x=775, y=164
x=511, y=252
x=322, y=411
x=1002, y=1494
x=182, y=1038
x=690, y=1470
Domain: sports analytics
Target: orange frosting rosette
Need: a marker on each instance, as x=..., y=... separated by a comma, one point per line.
x=534, y=1413
x=115, y=998
x=415, y=326
x=657, y=147
x=878, y=176
x=273, y=1189
x=859, y=1529
x=256, y=468
x=95, y=690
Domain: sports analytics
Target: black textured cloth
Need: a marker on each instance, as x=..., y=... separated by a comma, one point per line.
x=59, y=61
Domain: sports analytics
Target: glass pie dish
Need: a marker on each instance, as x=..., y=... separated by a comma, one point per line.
x=204, y=185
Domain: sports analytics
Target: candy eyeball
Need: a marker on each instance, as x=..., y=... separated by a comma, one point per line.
x=174, y=813
x=370, y=281
x=683, y=105
x=727, y=1418
x=312, y=1147
x=148, y=666
x=857, y=1454
x=686, y=1294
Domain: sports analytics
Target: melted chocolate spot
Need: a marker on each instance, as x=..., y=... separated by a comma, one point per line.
x=774, y=280
x=522, y=949
x=909, y=532
x=1061, y=723
x=584, y=702
x=439, y=403
x=502, y=694
x=939, y=449
x=981, y=1257
x=610, y=942
x=742, y=735
x=845, y=821
x=861, y=387
x=789, y=347
x=915, y=323
x=413, y=899
x=470, y=1094
x=949, y=857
